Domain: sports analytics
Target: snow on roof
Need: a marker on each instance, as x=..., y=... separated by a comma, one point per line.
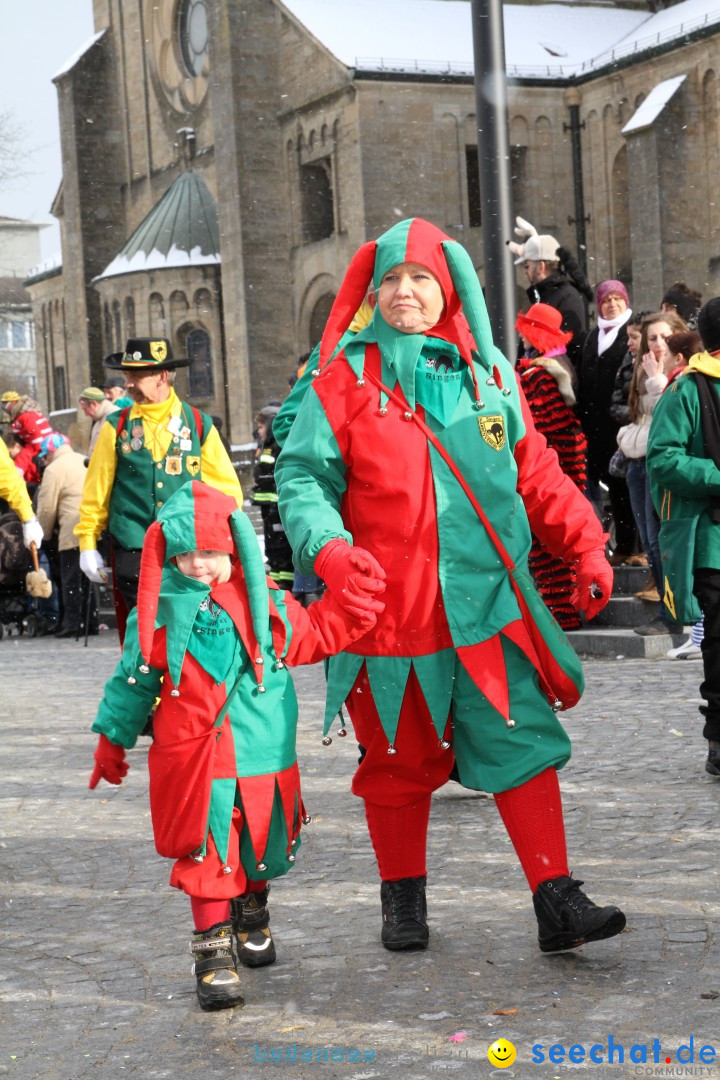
x=46, y=268
x=648, y=112
x=548, y=40
x=70, y=64
x=157, y=260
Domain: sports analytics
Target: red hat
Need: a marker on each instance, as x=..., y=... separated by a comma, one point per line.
x=199, y=517
x=541, y=325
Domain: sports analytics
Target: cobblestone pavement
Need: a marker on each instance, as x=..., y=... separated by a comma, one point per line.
x=95, y=977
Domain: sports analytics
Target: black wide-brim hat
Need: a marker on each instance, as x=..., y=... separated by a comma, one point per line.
x=146, y=354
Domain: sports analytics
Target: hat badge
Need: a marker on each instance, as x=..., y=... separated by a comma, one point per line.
x=158, y=350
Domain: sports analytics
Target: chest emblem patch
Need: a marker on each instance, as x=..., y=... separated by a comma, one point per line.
x=492, y=429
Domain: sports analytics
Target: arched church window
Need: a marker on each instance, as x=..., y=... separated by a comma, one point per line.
x=108, y=329
x=316, y=196
x=201, y=382
x=319, y=318
x=157, y=315
x=130, y=316
x=117, y=325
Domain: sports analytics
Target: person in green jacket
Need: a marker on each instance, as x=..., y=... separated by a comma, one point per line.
x=447, y=672
x=683, y=461
x=213, y=637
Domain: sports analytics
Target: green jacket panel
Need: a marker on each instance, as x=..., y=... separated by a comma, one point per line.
x=683, y=479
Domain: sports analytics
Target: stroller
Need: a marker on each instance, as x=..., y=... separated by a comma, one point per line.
x=15, y=615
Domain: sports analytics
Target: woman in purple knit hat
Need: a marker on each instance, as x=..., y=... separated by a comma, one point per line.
x=604, y=349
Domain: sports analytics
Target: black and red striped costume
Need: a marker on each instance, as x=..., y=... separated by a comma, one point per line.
x=548, y=385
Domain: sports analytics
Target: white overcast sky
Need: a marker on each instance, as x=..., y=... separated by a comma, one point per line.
x=38, y=37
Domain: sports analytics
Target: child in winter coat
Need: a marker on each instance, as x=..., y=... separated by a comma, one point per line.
x=212, y=636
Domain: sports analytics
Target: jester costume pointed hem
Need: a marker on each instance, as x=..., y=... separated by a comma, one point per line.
x=193, y=645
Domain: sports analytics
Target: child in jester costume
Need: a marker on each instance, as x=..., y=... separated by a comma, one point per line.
x=449, y=668
x=212, y=636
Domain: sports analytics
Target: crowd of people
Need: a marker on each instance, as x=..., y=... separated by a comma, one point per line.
x=406, y=485
x=621, y=367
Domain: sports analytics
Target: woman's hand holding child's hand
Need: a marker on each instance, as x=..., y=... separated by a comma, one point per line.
x=353, y=576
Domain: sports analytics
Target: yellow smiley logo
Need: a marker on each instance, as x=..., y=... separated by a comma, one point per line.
x=502, y=1053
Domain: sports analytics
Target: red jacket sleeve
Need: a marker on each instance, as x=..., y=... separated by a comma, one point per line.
x=560, y=516
x=321, y=630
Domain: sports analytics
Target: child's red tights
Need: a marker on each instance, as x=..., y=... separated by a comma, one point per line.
x=207, y=913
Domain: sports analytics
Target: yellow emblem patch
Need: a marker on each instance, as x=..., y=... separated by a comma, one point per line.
x=669, y=600
x=192, y=464
x=492, y=429
x=158, y=351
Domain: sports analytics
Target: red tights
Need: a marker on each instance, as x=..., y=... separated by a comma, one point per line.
x=531, y=813
x=207, y=913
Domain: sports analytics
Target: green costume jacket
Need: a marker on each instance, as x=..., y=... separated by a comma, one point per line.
x=202, y=645
x=683, y=479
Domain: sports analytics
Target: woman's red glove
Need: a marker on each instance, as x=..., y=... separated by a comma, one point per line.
x=353, y=577
x=110, y=763
x=594, y=583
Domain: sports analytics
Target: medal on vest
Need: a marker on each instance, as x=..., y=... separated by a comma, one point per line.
x=137, y=431
x=173, y=464
x=136, y=444
x=124, y=435
x=192, y=465
x=125, y=447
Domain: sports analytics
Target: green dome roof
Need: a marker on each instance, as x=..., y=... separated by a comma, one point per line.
x=180, y=230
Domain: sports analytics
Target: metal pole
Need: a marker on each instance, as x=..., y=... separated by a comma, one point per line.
x=494, y=161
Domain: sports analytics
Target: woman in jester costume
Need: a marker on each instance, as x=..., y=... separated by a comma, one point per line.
x=212, y=636
x=449, y=669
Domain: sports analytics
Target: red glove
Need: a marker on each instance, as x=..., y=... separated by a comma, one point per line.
x=110, y=763
x=353, y=577
x=594, y=583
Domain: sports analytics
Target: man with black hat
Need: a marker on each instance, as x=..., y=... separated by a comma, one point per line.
x=114, y=389
x=683, y=460
x=143, y=454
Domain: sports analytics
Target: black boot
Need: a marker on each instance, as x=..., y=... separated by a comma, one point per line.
x=712, y=765
x=218, y=983
x=568, y=918
x=404, y=912
x=251, y=923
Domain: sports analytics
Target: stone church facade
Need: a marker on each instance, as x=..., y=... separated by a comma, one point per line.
x=221, y=166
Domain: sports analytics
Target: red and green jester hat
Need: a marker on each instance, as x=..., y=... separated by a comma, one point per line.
x=353, y=468
x=190, y=644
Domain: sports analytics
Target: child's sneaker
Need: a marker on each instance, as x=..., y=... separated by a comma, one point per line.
x=218, y=983
x=251, y=923
x=686, y=651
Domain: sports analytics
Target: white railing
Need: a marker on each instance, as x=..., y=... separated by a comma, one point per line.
x=549, y=70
